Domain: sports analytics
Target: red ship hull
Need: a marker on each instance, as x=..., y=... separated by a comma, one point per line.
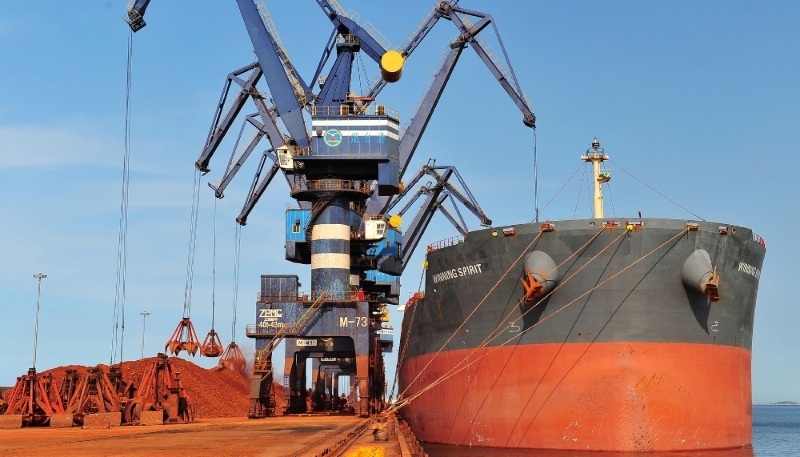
x=611, y=396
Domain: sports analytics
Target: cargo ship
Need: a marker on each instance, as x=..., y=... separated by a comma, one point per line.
x=604, y=334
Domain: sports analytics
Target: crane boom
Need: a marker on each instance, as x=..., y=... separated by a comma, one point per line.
x=436, y=193
x=259, y=185
x=410, y=139
x=470, y=32
x=413, y=41
x=222, y=122
x=280, y=85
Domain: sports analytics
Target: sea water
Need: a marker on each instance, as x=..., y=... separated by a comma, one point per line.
x=776, y=432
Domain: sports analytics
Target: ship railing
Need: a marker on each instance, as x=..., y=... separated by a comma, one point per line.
x=447, y=242
x=414, y=297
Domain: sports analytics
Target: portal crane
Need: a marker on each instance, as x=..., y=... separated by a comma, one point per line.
x=345, y=173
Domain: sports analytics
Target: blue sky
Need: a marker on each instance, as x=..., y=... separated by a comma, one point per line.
x=699, y=100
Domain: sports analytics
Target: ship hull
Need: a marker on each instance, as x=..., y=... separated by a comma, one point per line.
x=622, y=356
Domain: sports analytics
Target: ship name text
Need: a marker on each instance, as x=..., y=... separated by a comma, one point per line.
x=749, y=269
x=457, y=273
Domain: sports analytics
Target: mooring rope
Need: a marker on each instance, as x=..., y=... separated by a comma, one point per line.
x=455, y=332
x=489, y=338
x=459, y=367
x=404, y=338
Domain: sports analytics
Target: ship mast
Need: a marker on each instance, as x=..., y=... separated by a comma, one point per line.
x=597, y=155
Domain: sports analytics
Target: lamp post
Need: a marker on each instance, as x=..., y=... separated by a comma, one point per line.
x=144, y=322
x=39, y=276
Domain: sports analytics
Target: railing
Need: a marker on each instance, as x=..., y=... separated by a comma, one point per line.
x=291, y=73
x=369, y=28
x=309, y=297
x=356, y=110
x=366, y=263
x=282, y=297
x=333, y=185
x=414, y=297
x=452, y=241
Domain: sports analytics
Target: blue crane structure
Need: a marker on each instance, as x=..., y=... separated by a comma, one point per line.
x=345, y=170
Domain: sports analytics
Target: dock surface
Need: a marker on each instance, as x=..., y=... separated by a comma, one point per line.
x=300, y=436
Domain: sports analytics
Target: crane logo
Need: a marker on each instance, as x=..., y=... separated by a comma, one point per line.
x=332, y=137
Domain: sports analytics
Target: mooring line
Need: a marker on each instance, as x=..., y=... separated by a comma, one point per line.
x=443, y=378
x=490, y=336
x=402, y=354
x=455, y=332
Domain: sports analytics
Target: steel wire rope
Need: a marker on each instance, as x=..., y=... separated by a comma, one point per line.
x=491, y=338
x=402, y=354
x=117, y=334
x=535, y=175
x=590, y=200
x=562, y=188
x=656, y=191
x=187, y=291
x=214, y=267
x=237, y=244
x=610, y=197
x=538, y=235
x=443, y=378
x=580, y=189
x=363, y=68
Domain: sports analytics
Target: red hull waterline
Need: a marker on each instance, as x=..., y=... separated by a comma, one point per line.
x=620, y=396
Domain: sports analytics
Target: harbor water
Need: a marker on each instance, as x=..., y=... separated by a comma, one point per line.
x=776, y=432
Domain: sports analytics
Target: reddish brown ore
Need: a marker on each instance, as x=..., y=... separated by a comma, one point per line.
x=215, y=392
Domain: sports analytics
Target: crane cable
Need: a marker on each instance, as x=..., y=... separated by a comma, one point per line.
x=562, y=188
x=187, y=291
x=118, y=331
x=214, y=268
x=237, y=244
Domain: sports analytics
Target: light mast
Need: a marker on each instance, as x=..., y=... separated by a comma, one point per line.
x=597, y=155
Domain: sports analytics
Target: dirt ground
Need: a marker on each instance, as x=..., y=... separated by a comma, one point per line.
x=275, y=437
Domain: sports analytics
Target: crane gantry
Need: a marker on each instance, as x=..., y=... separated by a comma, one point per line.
x=345, y=170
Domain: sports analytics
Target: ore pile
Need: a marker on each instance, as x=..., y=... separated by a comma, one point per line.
x=215, y=392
